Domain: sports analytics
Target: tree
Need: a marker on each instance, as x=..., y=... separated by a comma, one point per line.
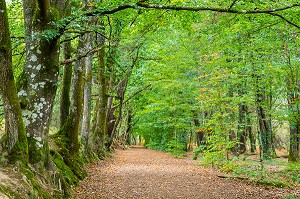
x=293, y=86
x=15, y=142
x=38, y=81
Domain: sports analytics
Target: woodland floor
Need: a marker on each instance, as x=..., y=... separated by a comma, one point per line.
x=144, y=173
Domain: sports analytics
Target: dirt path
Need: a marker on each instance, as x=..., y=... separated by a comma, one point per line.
x=144, y=173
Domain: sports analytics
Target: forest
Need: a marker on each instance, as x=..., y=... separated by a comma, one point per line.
x=79, y=79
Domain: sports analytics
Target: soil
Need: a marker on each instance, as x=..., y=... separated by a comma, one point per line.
x=144, y=173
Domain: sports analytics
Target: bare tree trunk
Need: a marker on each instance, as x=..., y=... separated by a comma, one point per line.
x=15, y=142
x=87, y=94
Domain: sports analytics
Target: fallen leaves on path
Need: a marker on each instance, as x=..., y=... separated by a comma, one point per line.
x=144, y=173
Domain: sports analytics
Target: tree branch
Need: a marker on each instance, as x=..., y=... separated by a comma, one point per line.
x=285, y=19
x=141, y=5
x=204, y=8
x=70, y=39
x=232, y=4
x=136, y=93
x=133, y=95
x=102, y=12
x=80, y=56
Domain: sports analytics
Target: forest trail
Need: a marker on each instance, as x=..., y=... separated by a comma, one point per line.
x=144, y=173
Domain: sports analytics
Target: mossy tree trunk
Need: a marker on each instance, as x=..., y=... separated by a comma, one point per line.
x=71, y=128
x=65, y=100
x=66, y=86
x=100, y=124
x=69, y=134
x=15, y=142
x=39, y=78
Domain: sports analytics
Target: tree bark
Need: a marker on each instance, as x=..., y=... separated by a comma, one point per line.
x=120, y=96
x=15, y=142
x=265, y=129
x=242, y=134
x=87, y=94
x=39, y=78
x=100, y=122
x=66, y=86
x=294, y=112
x=250, y=133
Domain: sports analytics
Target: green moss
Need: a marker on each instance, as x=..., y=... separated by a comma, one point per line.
x=54, y=14
x=9, y=192
x=70, y=166
x=69, y=177
x=37, y=190
x=19, y=153
x=35, y=153
x=71, y=155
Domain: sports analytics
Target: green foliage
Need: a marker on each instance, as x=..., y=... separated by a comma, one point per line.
x=16, y=25
x=292, y=172
x=291, y=197
x=276, y=173
x=176, y=147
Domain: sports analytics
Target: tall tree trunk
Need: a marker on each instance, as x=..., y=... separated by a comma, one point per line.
x=100, y=124
x=38, y=81
x=250, y=132
x=128, y=135
x=242, y=133
x=72, y=128
x=66, y=86
x=199, y=132
x=87, y=94
x=294, y=112
x=120, y=96
x=265, y=130
x=294, y=151
x=69, y=134
x=111, y=120
x=15, y=142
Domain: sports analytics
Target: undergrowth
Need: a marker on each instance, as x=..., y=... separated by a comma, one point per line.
x=274, y=172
